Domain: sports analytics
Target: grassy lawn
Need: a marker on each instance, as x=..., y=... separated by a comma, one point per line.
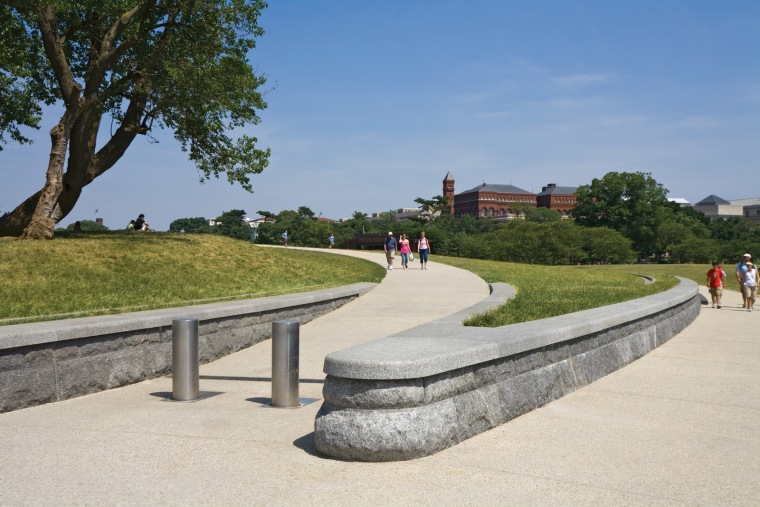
x=104, y=273
x=84, y=274
x=547, y=291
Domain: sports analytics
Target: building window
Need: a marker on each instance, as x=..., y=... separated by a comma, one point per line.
x=484, y=212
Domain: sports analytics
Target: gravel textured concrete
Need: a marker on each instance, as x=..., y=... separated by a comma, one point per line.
x=680, y=426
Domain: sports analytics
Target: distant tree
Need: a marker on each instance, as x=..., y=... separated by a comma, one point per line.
x=699, y=250
x=197, y=224
x=438, y=205
x=87, y=225
x=602, y=245
x=136, y=65
x=561, y=242
x=541, y=214
x=387, y=221
x=231, y=223
x=267, y=214
x=630, y=203
x=671, y=234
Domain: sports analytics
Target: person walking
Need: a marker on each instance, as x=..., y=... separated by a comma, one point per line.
x=716, y=279
x=423, y=249
x=285, y=237
x=331, y=239
x=390, y=249
x=740, y=268
x=749, y=285
x=404, y=249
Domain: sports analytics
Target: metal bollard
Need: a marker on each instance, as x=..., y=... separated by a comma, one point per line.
x=185, y=375
x=285, y=363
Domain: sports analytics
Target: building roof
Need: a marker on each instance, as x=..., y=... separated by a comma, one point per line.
x=448, y=177
x=745, y=202
x=502, y=189
x=558, y=190
x=713, y=199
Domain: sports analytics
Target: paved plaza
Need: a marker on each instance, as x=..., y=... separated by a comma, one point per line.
x=680, y=426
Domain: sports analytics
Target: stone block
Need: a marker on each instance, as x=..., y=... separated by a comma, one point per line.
x=472, y=415
x=158, y=360
x=373, y=394
x=100, y=345
x=80, y=376
x=385, y=435
x=27, y=387
x=449, y=384
x=125, y=367
x=11, y=360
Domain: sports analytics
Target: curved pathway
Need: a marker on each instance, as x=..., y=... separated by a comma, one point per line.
x=680, y=426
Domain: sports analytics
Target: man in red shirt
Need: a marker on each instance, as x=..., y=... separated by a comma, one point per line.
x=716, y=278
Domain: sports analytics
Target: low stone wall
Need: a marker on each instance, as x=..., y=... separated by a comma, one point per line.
x=428, y=388
x=51, y=361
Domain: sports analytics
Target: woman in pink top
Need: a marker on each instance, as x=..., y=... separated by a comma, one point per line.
x=404, y=249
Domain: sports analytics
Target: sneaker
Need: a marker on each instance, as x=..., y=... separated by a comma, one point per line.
x=713, y=306
x=390, y=267
x=718, y=307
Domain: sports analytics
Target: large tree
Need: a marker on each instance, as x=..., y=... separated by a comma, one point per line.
x=140, y=64
x=629, y=203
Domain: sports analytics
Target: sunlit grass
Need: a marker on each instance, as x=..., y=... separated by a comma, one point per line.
x=95, y=274
x=547, y=291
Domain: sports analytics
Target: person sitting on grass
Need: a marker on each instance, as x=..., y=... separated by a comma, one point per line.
x=141, y=224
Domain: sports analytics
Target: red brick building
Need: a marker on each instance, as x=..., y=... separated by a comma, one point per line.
x=561, y=199
x=505, y=201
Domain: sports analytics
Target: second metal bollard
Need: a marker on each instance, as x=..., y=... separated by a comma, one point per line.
x=285, y=335
x=185, y=369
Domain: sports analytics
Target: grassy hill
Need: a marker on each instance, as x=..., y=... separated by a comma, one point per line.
x=114, y=272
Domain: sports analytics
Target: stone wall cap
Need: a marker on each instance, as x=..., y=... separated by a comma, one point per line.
x=445, y=344
x=35, y=333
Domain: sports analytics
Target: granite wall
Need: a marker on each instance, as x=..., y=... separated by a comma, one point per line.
x=415, y=393
x=51, y=361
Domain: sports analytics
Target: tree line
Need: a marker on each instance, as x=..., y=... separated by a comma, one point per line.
x=620, y=218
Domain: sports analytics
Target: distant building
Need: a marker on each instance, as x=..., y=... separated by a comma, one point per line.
x=752, y=212
x=717, y=207
x=557, y=198
x=505, y=202
x=679, y=200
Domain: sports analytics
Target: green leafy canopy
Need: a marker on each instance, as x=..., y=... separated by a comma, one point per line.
x=176, y=64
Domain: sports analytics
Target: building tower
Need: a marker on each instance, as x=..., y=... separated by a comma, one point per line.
x=448, y=190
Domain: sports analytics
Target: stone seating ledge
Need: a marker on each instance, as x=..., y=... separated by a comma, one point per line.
x=429, y=387
x=49, y=361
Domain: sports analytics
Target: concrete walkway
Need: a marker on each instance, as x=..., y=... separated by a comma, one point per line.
x=680, y=426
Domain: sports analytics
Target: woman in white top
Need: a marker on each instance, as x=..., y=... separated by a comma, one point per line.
x=749, y=284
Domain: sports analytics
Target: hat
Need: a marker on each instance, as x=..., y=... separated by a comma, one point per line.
x=747, y=255
x=715, y=263
x=390, y=233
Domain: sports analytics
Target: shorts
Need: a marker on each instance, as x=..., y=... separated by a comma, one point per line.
x=749, y=291
x=389, y=254
x=716, y=291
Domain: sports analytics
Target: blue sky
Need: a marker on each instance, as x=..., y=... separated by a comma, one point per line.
x=372, y=103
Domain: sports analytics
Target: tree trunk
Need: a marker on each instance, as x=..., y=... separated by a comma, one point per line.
x=43, y=218
x=46, y=211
